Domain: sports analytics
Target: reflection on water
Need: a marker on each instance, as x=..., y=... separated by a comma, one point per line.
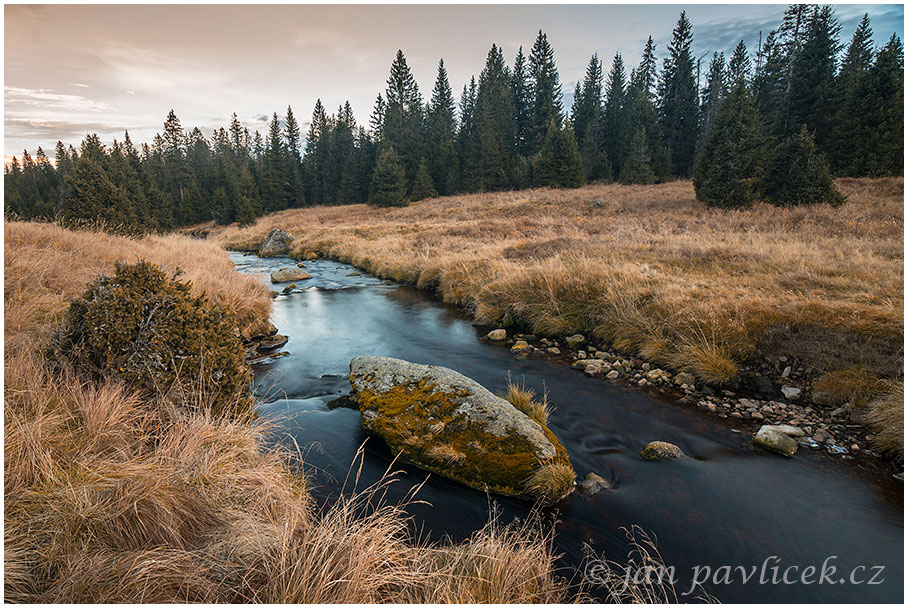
x=729, y=504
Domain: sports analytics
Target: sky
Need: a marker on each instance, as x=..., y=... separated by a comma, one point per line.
x=74, y=69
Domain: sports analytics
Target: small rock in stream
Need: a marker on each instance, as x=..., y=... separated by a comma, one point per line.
x=775, y=440
x=661, y=450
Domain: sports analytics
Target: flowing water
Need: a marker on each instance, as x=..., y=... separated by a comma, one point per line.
x=729, y=504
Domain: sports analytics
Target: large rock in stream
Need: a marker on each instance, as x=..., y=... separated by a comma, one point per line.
x=448, y=424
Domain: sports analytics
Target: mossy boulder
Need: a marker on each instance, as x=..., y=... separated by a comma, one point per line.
x=148, y=329
x=277, y=243
x=448, y=424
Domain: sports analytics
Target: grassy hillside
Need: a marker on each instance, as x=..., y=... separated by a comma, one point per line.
x=647, y=268
x=111, y=496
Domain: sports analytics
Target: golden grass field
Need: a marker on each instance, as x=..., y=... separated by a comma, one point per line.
x=652, y=271
x=114, y=497
x=648, y=270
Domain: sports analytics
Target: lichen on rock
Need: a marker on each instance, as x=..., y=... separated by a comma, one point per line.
x=449, y=424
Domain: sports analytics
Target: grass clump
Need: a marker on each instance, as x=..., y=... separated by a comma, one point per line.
x=525, y=400
x=551, y=482
x=148, y=329
x=886, y=417
x=856, y=386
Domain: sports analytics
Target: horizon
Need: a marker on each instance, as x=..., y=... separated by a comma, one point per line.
x=105, y=77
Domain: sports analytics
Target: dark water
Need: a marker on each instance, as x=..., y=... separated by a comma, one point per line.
x=728, y=505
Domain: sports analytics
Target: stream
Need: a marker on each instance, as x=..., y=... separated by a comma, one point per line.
x=729, y=504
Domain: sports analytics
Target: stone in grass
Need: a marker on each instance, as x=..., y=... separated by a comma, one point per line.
x=776, y=441
x=661, y=450
x=685, y=378
x=277, y=243
x=497, y=335
x=575, y=341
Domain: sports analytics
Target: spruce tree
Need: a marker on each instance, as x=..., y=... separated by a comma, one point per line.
x=402, y=127
x=587, y=107
x=770, y=81
x=441, y=156
x=545, y=92
x=637, y=167
x=314, y=157
x=422, y=184
x=559, y=164
x=468, y=140
x=798, y=173
x=274, y=184
x=813, y=76
x=712, y=95
x=616, y=125
x=389, y=181
x=651, y=159
x=643, y=78
x=887, y=83
x=739, y=67
x=522, y=86
x=678, y=106
x=495, y=125
x=730, y=167
x=295, y=191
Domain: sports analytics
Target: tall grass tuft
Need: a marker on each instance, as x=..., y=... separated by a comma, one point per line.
x=886, y=416
x=525, y=400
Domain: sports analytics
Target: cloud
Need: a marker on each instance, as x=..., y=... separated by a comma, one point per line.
x=79, y=84
x=50, y=100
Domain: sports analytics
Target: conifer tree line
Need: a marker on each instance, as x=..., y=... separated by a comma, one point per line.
x=753, y=127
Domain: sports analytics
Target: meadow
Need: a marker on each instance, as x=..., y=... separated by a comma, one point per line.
x=114, y=496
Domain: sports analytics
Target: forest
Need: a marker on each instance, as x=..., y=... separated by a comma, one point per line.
x=771, y=124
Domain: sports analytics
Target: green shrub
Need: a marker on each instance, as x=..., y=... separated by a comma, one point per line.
x=150, y=331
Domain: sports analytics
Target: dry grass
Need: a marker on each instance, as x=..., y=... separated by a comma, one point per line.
x=46, y=265
x=857, y=386
x=886, y=416
x=652, y=271
x=642, y=577
x=551, y=482
x=112, y=497
x=525, y=400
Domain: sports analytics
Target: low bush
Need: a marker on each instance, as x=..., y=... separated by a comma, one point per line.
x=148, y=329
